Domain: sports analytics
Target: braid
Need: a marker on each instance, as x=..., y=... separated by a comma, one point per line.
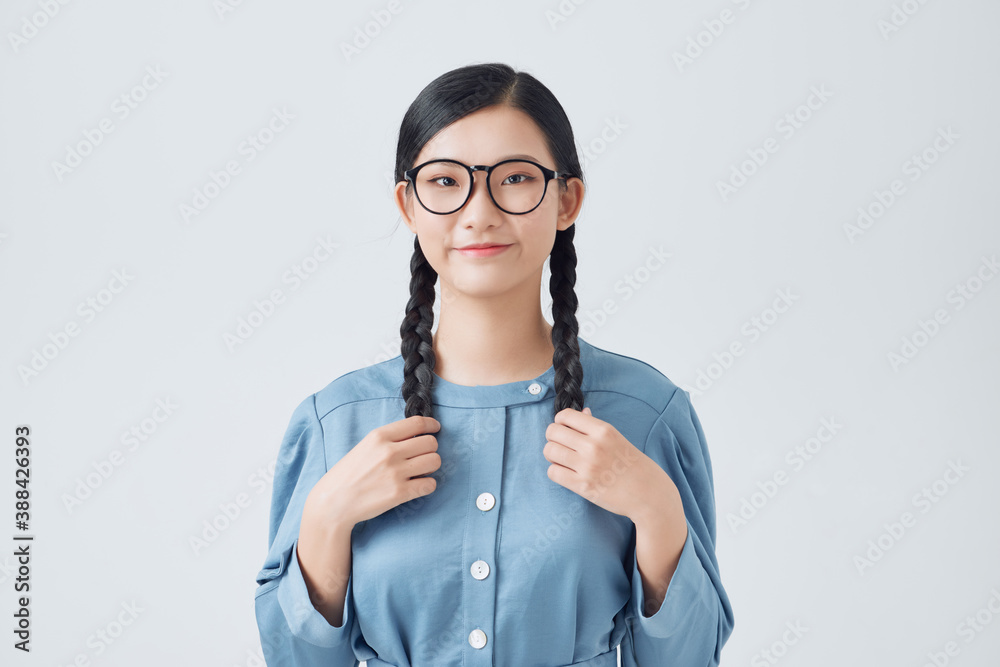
x=566, y=358
x=417, y=344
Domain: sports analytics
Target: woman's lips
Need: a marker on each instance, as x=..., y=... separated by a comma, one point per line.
x=483, y=252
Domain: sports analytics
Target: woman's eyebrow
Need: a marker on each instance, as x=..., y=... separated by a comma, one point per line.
x=518, y=156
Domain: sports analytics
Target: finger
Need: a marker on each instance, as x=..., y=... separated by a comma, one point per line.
x=575, y=419
x=415, y=446
x=410, y=427
x=566, y=436
x=424, y=464
x=560, y=455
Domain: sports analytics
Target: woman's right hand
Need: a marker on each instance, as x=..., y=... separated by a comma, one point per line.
x=379, y=473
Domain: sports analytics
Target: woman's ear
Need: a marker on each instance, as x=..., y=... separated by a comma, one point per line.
x=570, y=202
x=404, y=204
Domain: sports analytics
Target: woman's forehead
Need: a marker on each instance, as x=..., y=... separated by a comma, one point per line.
x=487, y=137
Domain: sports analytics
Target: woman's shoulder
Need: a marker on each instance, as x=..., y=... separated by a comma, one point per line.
x=605, y=370
x=380, y=380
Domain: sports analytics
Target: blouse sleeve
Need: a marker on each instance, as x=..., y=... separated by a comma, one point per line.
x=695, y=618
x=292, y=632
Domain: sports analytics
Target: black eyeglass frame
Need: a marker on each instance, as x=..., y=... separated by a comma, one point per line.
x=549, y=174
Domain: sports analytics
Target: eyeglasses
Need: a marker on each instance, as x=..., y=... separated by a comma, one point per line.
x=515, y=186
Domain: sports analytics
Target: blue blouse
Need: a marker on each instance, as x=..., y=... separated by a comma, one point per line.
x=499, y=565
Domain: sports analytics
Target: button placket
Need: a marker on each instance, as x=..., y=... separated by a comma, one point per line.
x=479, y=588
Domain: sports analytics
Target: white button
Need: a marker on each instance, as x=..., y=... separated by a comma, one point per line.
x=480, y=569
x=485, y=501
x=477, y=638
x=534, y=388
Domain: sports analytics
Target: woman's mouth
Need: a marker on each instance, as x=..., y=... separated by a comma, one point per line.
x=483, y=252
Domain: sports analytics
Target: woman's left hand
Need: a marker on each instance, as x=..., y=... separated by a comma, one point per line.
x=591, y=458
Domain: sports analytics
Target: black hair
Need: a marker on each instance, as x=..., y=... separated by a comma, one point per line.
x=444, y=100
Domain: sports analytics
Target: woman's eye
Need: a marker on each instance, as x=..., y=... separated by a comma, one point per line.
x=442, y=178
x=521, y=176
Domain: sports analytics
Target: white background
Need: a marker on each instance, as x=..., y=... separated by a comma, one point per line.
x=682, y=128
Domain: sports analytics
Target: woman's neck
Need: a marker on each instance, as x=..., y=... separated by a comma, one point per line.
x=484, y=347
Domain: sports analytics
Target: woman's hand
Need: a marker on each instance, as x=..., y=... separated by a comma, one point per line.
x=591, y=458
x=380, y=472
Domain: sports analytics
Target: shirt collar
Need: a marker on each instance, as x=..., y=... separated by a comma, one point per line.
x=501, y=395
x=490, y=396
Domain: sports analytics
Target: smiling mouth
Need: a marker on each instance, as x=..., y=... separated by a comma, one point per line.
x=487, y=251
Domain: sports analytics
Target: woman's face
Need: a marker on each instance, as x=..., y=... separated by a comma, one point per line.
x=488, y=136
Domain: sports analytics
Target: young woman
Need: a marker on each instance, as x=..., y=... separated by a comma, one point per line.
x=502, y=492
